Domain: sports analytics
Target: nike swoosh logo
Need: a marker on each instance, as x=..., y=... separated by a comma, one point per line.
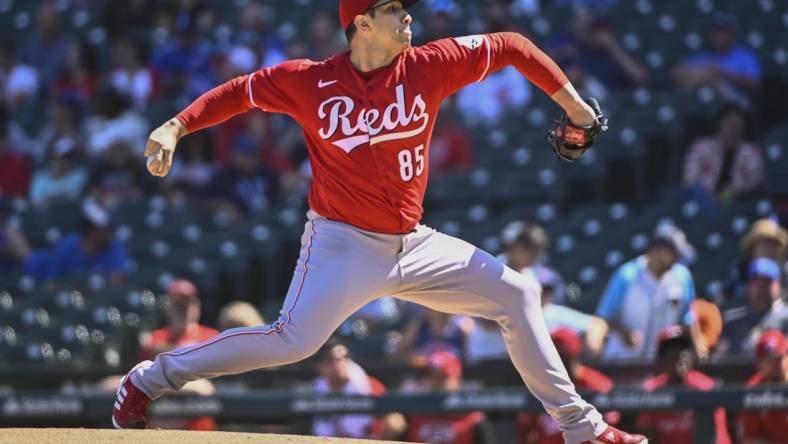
x=322, y=84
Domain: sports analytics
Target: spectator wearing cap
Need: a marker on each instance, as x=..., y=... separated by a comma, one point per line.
x=525, y=245
x=339, y=374
x=765, y=310
x=675, y=361
x=726, y=164
x=542, y=428
x=767, y=426
x=731, y=68
x=63, y=180
x=647, y=294
x=244, y=187
x=766, y=238
x=94, y=249
x=182, y=330
x=183, y=327
x=444, y=374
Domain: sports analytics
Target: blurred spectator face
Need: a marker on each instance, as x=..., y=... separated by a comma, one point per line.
x=721, y=39
x=118, y=155
x=663, y=257
x=437, y=322
x=439, y=24
x=126, y=54
x=675, y=359
x=323, y=28
x=110, y=103
x=522, y=254
x=183, y=311
x=732, y=128
x=444, y=371
x=761, y=292
x=774, y=368
x=524, y=244
x=63, y=154
x=63, y=117
x=334, y=366
x=48, y=19
x=245, y=157
x=101, y=237
x=772, y=353
x=497, y=16
x=763, y=286
x=251, y=17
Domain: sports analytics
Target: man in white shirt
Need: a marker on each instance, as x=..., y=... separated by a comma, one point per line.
x=647, y=294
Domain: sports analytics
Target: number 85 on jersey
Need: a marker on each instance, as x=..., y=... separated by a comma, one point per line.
x=411, y=164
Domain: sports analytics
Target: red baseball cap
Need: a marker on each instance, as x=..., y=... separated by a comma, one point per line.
x=771, y=342
x=181, y=288
x=446, y=362
x=349, y=9
x=567, y=341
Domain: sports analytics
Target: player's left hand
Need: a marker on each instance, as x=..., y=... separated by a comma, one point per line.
x=570, y=141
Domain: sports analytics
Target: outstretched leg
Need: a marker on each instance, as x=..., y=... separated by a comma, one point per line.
x=453, y=276
x=327, y=287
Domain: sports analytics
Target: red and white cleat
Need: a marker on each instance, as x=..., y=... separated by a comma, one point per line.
x=612, y=435
x=131, y=406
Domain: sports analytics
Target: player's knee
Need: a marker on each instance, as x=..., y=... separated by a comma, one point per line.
x=529, y=291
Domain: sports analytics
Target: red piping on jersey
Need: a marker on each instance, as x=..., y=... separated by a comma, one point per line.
x=277, y=327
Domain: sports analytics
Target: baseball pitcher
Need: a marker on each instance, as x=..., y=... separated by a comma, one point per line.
x=367, y=115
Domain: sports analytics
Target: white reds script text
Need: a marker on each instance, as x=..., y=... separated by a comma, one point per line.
x=372, y=122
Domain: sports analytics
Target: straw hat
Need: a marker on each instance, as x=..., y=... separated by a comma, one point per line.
x=764, y=229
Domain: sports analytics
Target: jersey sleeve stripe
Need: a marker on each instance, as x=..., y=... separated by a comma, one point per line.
x=249, y=90
x=487, y=67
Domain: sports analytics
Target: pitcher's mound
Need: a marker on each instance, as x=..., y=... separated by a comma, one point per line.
x=98, y=436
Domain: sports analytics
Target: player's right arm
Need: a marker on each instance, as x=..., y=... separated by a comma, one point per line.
x=266, y=89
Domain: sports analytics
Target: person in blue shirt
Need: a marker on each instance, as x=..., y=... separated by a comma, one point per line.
x=94, y=249
x=648, y=294
x=732, y=69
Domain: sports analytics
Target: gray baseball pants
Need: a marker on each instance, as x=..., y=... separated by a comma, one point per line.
x=341, y=268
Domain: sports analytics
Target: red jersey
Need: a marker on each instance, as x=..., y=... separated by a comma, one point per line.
x=368, y=134
x=542, y=428
x=771, y=425
x=678, y=426
x=161, y=337
x=445, y=429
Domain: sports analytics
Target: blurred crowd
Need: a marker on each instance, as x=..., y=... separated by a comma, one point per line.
x=75, y=112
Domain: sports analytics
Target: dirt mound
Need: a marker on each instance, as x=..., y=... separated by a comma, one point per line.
x=94, y=436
